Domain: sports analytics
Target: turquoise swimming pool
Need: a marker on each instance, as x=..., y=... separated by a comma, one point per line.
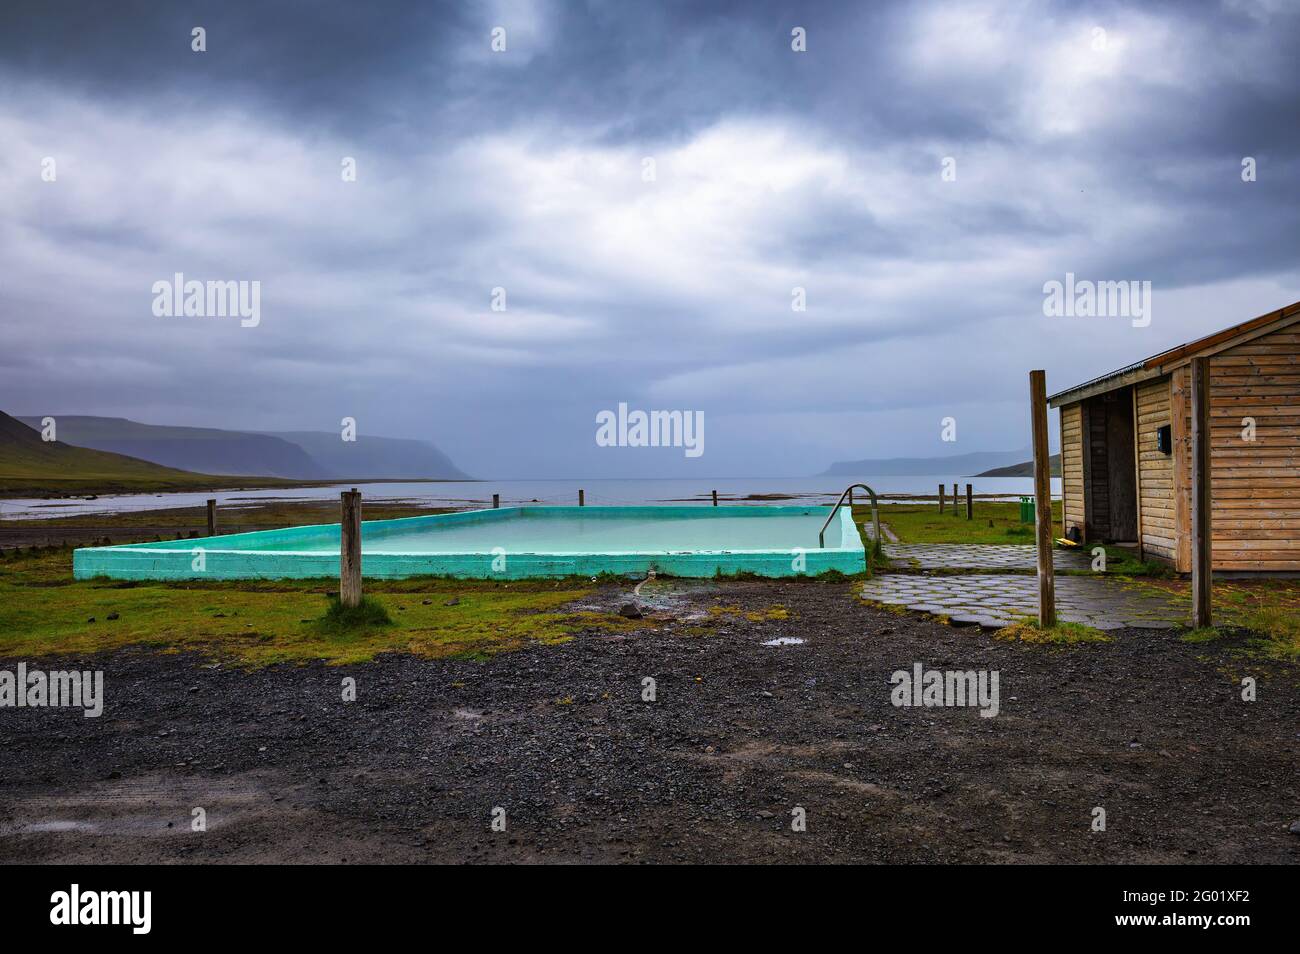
x=512, y=543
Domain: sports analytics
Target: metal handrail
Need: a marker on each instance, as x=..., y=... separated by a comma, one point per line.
x=875, y=516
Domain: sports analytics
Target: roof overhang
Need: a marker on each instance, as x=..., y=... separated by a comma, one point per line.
x=1160, y=365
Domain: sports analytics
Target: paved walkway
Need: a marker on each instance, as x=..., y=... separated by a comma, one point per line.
x=993, y=585
x=978, y=556
x=998, y=599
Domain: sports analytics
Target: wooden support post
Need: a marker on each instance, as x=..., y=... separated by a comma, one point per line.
x=970, y=505
x=212, y=518
x=715, y=498
x=941, y=498
x=350, y=549
x=582, y=497
x=850, y=500
x=1202, y=555
x=955, y=496
x=1042, y=500
x=496, y=501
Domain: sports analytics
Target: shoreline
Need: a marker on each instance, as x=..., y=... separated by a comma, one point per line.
x=113, y=489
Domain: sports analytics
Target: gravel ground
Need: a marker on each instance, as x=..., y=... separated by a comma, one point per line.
x=1148, y=727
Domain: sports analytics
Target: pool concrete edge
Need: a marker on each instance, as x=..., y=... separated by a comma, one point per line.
x=232, y=557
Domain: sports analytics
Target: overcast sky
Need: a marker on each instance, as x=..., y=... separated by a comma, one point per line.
x=1101, y=139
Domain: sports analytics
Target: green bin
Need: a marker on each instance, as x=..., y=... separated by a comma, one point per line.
x=1026, y=509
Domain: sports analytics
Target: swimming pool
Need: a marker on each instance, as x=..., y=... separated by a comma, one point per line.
x=512, y=543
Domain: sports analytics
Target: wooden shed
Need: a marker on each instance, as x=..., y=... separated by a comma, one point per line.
x=1126, y=450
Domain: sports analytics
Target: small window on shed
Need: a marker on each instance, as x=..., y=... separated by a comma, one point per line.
x=1164, y=440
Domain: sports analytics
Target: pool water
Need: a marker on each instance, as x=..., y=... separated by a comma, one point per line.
x=540, y=532
x=514, y=543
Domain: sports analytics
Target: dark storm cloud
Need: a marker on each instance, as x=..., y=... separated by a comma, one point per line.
x=775, y=170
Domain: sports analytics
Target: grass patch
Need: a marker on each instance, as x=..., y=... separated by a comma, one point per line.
x=130, y=526
x=1278, y=630
x=43, y=611
x=993, y=522
x=1268, y=610
x=368, y=613
x=1062, y=634
x=1271, y=633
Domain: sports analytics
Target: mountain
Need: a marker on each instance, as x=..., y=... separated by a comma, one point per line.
x=1025, y=469
x=297, y=455
x=386, y=457
x=29, y=464
x=204, y=449
x=958, y=465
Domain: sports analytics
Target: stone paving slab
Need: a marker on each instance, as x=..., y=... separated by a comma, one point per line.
x=979, y=556
x=994, y=600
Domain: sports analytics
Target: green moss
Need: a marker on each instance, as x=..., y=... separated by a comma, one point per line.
x=1062, y=634
x=1121, y=561
x=767, y=614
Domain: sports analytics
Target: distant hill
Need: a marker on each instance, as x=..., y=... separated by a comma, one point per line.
x=299, y=455
x=29, y=464
x=1025, y=469
x=386, y=457
x=203, y=449
x=958, y=465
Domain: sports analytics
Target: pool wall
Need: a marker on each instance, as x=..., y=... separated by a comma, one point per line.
x=245, y=556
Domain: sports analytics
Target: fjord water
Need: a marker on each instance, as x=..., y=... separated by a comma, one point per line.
x=471, y=495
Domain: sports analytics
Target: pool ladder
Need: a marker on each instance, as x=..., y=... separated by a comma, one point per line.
x=875, y=517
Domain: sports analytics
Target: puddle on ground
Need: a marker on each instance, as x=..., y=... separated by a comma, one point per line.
x=784, y=641
x=681, y=600
x=36, y=827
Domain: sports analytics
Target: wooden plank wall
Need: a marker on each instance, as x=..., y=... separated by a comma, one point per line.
x=1156, y=472
x=1256, y=485
x=1072, y=466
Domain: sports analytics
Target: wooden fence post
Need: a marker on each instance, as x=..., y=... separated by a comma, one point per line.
x=955, y=497
x=1042, y=500
x=970, y=506
x=1202, y=551
x=941, y=498
x=350, y=549
x=582, y=497
x=715, y=498
x=496, y=501
x=212, y=518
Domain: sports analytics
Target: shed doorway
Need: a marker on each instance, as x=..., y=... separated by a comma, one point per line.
x=1110, y=468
